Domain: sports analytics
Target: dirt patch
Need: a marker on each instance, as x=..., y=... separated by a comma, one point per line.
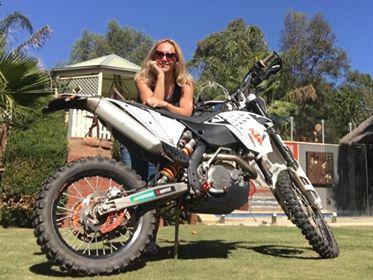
x=88, y=147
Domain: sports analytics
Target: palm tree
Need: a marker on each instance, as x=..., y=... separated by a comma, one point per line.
x=21, y=80
x=22, y=84
x=17, y=20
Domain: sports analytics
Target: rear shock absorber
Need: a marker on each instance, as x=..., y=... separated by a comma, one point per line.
x=170, y=171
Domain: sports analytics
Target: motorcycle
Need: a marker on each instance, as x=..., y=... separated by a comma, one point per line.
x=96, y=216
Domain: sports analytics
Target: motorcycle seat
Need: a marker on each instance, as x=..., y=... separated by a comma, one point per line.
x=197, y=117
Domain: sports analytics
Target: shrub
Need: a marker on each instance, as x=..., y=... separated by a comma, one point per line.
x=36, y=147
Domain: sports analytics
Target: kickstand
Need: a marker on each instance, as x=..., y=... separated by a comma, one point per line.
x=177, y=223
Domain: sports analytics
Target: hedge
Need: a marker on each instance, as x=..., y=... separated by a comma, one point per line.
x=36, y=148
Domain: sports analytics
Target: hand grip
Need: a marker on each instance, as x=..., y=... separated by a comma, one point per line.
x=267, y=58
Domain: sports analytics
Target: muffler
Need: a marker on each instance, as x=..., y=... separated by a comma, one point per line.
x=114, y=117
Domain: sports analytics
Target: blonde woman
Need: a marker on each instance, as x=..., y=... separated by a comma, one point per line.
x=163, y=81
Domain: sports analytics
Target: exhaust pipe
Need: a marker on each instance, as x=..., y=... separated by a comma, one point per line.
x=124, y=123
x=241, y=162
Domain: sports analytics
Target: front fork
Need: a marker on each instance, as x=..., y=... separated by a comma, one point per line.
x=297, y=174
x=301, y=180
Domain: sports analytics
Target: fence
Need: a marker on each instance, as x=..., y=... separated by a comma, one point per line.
x=354, y=190
x=81, y=121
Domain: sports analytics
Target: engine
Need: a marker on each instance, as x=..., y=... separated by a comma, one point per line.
x=217, y=172
x=218, y=178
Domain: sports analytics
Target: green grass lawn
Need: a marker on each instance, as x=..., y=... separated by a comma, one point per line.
x=213, y=252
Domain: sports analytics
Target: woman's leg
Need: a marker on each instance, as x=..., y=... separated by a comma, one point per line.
x=140, y=166
x=146, y=170
x=125, y=156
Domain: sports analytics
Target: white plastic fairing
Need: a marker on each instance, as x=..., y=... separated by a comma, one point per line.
x=165, y=129
x=119, y=119
x=251, y=133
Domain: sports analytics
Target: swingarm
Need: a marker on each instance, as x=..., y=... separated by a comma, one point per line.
x=157, y=193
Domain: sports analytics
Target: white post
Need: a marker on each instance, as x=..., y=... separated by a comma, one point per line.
x=323, y=130
x=274, y=218
x=334, y=217
x=291, y=128
x=350, y=126
x=222, y=219
x=100, y=81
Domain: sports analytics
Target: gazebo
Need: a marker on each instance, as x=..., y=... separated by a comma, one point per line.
x=109, y=76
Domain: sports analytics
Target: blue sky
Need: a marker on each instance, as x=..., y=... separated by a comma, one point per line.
x=190, y=21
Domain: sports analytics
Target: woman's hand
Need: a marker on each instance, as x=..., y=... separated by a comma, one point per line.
x=155, y=103
x=156, y=69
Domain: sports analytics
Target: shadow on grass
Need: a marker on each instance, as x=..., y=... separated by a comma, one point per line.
x=221, y=249
x=284, y=252
x=205, y=249
x=48, y=269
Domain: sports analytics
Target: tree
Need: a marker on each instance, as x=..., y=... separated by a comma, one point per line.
x=21, y=80
x=313, y=63
x=363, y=84
x=17, y=20
x=224, y=57
x=88, y=47
x=22, y=84
x=123, y=41
x=351, y=102
x=310, y=51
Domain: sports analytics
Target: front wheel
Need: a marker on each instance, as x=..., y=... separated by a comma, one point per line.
x=69, y=229
x=309, y=219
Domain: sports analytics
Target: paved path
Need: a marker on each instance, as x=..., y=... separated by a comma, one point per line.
x=267, y=219
x=85, y=147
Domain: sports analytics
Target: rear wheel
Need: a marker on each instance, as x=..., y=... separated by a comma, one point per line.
x=309, y=219
x=73, y=235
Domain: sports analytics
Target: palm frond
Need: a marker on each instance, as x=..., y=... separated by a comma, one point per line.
x=22, y=84
x=282, y=109
x=37, y=40
x=302, y=94
x=13, y=19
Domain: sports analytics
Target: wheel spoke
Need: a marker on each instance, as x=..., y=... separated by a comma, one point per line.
x=89, y=246
x=128, y=229
x=66, y=209
x=70, y=195
x=96, y=244
x=89, y=184
x=97, y=187
x=81, y=196
x=69, y=219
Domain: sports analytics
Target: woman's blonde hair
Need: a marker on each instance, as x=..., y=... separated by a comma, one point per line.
x=182, y=77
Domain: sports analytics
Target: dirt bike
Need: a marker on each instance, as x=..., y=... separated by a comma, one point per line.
x=96, y=216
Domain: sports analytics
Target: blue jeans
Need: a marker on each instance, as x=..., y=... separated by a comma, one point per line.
x=142, y=167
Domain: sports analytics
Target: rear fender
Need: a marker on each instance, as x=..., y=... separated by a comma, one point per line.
x=66, y=102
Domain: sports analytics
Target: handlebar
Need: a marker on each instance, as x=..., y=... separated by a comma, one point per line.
x=263, y=69
x=269, y=57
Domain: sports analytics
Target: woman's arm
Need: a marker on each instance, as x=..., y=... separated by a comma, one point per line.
x=145, y=92
x=185, y=103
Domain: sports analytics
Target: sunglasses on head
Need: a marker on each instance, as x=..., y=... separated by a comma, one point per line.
x=170, y=56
